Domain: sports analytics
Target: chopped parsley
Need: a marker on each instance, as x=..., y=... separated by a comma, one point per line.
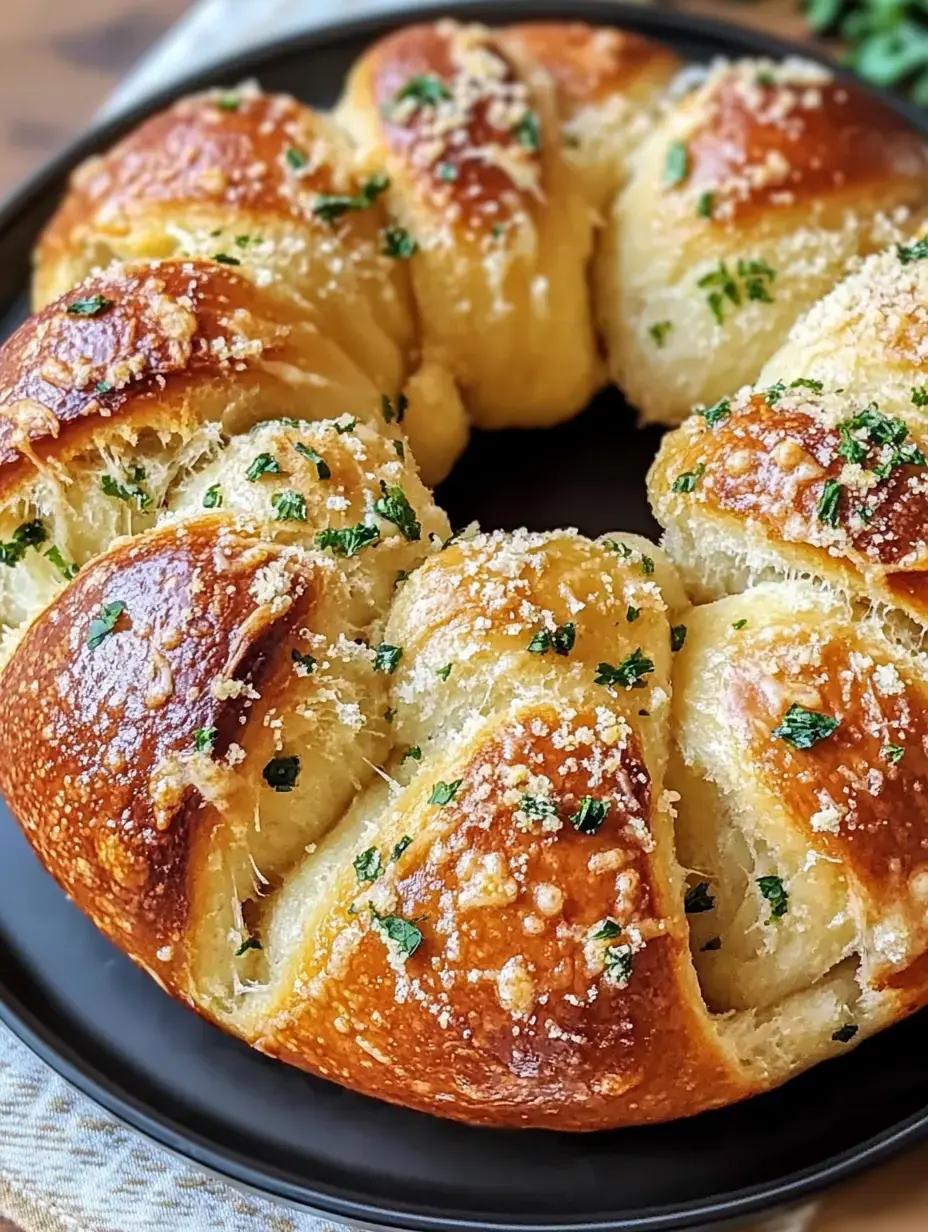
x=391, y=412
x=304, y=660
x=331, y=206
x=590, y=815
x=446, y=172
x=413, y=753
x=698, y=899
x=907, y=253
x=444, y=793
x=893, y=753
x=714, y=415
x=444, y=672
x=676, y=164
x=528, y=131
x=349, y=426
x=776, y=391
x=393, y=507
x=607, y=931
x=647, y=566
x=403, y=933
x=368, y=866
x=400, y=449
x=250, y=943
x=845, y=1034
x=229, y=102
x=803, y=728
x=872, y=429
x=687, y=481
x=212, y=497
x=739, y=624
x=425, y=89
x=561, y=641
x=387, y=658
x=775, y=893
x=104, y=623
x=629, y=674
x=677, y=637
x=827, y=509
x=618, y=960
x=400, y=847
x=224, y=259
x=322, y=467
x=632, y=614
x=264, y=464
x=349, y=541
x=92, y=306
x=538, y=808
x=65, y=568
x=103, y=387
x=129, y=491
x=705, y=205
x=27, y=535
x=659, y=331
x=289, y=506
x=204, y=739
x=920, y=395
x=399, y=244
x=281, y=773
x=751, y=280
x=297, y=159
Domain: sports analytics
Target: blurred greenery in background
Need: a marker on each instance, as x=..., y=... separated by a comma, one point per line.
x=886, y=41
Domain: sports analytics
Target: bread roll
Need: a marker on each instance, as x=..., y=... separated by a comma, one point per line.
x=479, y=179
x=747, y=204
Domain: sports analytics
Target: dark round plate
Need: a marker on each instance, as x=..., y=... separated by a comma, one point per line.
x=109, y=1030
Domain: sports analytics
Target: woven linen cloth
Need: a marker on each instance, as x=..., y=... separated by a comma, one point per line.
x=66, y=1165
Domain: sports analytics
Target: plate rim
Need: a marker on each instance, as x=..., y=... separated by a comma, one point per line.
x=185, y=1142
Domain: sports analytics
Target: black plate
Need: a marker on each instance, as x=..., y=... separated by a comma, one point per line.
x=106, y=1027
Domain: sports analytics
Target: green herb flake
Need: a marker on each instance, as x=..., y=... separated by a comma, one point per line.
x=827, y=510
x=129, y=491
x=629, y=674
x=444, y=672
x=425, y=89
x=322, y=467
x=330, y=207
x=349, y=541
x=803, y=729
x=618, y=969
x=393, y=412
x=92, y=306
x=647, y=566
x=296, y=159
x=446, y=172
x=224, y=259
x=677, y=637
x=632, y=614
x=104, y=623
x=659, y=331
x=920, y=395
x=405, y=841
x=27, y=535
x=349, y=425
x=368, y=866
x=698, y=899
x=714, y=415
x=400, y=450
x=212, y=497
x=250, y=943
x=399, y=244
x=289, y=506
x=229, y=101
x=739, y=624
x=413, y=753
x=705, y=204
x=303, y=660
x=204, y=739
x=538, y=808
x=845, y=1034
x=687, y=481
x=893, y=753
x=103, y=387
x=444, y=793
x=264, y=464
x=64, y=567
x=403, y=933
x=393, y=507
x=907, y=253
x=775, y=893
x=676, y=164
x=281, y=773
x=590, y=814
x=607, y=931
x=528, y=131
x=387, y=658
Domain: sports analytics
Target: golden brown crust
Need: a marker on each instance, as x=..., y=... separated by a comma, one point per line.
x=506, y=1013
x=161, y=342
x=103, y=719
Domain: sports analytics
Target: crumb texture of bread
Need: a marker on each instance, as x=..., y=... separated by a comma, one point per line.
x=520, y=828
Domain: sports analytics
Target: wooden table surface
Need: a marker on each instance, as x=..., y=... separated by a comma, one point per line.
x=58, y=61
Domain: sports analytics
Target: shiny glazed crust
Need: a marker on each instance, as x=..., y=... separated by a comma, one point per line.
x=519, y=829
